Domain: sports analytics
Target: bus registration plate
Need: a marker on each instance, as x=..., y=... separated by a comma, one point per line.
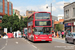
x=43, y=40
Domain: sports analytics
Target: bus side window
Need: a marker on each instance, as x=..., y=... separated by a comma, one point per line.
x=29, y=30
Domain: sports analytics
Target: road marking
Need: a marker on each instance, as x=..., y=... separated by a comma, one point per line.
x=34, y=46
x=5, y=45
x=16, y=42
x=28, y=42
x=3, y=48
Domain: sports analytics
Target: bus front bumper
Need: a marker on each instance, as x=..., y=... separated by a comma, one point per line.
x=43, y=39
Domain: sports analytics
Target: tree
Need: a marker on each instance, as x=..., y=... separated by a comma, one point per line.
x=5, y=22
x=59, y=27
x=25, y=21
x=10, y=21
x=22, y=25
x=16, y=24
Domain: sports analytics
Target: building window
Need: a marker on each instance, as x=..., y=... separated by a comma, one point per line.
x=5, y=6
x=0, y=17
x=1, y=0
x=73, y=11
x=29, y=12
x=9, y=8
x=67, y=13
x=1, y=5
x=29, y=30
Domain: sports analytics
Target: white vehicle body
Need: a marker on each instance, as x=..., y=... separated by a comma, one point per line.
x=5, y=37
x=18, y=34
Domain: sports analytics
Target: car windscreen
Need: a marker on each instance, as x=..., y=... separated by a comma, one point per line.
x=73, y=34
x=25, y=31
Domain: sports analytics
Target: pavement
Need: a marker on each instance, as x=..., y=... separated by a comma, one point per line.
x=58, y=38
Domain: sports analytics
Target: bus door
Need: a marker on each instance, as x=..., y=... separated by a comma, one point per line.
x=32, y=35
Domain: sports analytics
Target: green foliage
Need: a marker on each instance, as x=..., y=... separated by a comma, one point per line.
x=22, y=25
x=25, y=21
x=14, y=22
x=59, y=27
x=5, y=21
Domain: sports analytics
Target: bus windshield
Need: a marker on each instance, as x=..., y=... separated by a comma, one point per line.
x=42, y=16
x=42, y=30
x=42, y=23
x=25, y=31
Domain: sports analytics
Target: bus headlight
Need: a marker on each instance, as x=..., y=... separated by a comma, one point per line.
x=50, y=37
x=36, y=37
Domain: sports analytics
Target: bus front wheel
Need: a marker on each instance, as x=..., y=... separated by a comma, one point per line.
x=50, y=41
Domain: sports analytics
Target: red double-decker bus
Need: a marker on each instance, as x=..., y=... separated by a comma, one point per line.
x=39, y=27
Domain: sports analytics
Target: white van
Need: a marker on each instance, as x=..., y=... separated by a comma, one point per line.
x=17, y=34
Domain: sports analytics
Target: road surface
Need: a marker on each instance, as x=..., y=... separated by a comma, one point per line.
x=24, y=44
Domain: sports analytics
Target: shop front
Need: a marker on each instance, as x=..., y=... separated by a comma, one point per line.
x=70, y=26
x=73, y=26
x=67, y=26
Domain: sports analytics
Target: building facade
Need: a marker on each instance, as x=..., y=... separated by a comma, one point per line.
x=69, y=17
x=15, y=11
x=28, y=13
x=60, y=17
x=6, y=7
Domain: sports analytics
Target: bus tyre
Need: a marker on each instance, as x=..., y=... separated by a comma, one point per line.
x=50, y=41
x=74, y=42
x=33, y=41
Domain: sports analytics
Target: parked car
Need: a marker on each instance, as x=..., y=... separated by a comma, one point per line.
x=70, y=37
x=5, y=37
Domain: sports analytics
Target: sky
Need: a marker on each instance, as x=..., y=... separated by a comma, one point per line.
x=40, y=5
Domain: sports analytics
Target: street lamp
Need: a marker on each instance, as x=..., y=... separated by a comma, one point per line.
x=51, y=14
x=51, y=7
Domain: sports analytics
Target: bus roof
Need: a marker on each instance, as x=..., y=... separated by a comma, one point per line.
x=38, y=12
